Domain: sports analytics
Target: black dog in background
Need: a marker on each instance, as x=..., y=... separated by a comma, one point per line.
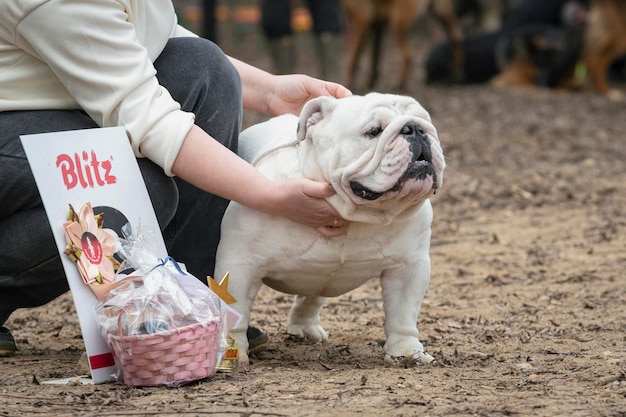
x=543, y=39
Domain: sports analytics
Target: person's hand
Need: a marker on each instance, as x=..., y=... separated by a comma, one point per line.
x=291, y=92
x=303, y=201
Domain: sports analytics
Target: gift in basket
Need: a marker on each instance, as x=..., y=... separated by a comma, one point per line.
x=162, y=324
x=159, y=334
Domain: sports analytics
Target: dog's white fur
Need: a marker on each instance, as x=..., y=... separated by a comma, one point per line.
x=336, y=140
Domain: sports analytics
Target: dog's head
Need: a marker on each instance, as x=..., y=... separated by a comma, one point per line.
x=380, y=152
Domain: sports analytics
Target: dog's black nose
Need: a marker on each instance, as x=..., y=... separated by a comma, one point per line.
x=418, y=141
x=412, y=131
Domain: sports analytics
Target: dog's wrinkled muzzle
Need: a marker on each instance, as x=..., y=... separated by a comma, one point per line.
x=420, y=166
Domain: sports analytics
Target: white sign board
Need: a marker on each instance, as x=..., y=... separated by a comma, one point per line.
x=97, y=166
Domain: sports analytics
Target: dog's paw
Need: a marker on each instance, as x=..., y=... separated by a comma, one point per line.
x=408, y=361
x=241, y=341
x=243, y=360
x=314, y=333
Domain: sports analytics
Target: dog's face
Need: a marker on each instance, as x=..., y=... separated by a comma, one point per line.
x=380, y=152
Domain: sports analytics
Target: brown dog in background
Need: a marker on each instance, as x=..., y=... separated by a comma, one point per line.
x=605, y=40
x=534, y=56
x=371, y=17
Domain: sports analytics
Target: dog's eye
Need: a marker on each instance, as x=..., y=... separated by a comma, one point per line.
x=374, y=132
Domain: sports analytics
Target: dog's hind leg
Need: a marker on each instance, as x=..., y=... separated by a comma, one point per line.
x=244, y=294
x=304, y=318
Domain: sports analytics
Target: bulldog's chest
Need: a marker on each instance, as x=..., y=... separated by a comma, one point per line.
x=331, y=267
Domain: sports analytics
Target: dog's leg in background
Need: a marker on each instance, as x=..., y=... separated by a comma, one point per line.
x=304, y=318
x=377, y=32
x=401, y=20
x=359, y=18
x=605, y=40
x=443, y=10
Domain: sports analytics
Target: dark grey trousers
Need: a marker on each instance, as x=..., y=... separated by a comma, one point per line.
x=200, y=77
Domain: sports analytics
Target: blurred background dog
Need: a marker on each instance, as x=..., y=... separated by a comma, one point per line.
x=549, y=43
x=605, y=42
x=576, y=44
x=370, y=18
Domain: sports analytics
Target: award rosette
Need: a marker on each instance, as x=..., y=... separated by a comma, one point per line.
x=92, y=248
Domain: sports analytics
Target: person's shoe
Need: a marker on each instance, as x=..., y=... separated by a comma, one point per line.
x=7, y=343
x=257, y=340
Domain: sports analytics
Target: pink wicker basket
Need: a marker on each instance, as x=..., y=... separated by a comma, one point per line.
x=169, y=357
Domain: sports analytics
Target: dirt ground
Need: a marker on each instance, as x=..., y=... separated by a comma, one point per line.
x=526, y=311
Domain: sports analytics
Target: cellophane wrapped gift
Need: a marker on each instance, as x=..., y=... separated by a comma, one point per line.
x=162, y=324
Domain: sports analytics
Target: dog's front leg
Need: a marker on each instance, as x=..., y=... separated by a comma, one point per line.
x=304, y=318
x=403, y=291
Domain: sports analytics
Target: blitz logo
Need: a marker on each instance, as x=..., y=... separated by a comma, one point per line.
x=85, y=169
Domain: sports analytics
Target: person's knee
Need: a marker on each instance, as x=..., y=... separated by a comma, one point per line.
x=202, y=79
x=196, y=71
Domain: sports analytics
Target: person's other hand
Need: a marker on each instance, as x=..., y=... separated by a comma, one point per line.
x=291, y=92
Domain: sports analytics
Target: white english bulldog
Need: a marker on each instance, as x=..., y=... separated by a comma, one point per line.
x=381, y=154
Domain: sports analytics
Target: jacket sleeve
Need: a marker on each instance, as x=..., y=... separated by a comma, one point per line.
x=94, y=51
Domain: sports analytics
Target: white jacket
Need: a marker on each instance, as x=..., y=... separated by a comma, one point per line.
x=95, y=55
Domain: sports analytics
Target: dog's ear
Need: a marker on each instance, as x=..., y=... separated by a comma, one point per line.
x=313, y=112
